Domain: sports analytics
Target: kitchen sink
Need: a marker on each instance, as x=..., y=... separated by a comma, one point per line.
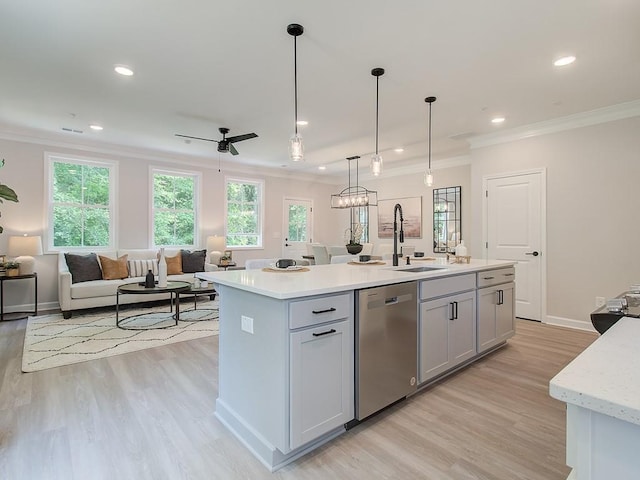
x=420, y=269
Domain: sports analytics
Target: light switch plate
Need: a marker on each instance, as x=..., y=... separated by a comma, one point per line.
x=246, y=324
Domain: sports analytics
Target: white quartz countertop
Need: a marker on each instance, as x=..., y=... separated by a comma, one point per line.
x=605, y=377
x=323, y=279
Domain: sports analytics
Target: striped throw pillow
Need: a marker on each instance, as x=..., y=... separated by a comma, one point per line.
x=139, y=268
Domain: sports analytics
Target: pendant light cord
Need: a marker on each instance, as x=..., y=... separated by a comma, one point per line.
x=295, y=81
x=377, y=90
x=430, y=105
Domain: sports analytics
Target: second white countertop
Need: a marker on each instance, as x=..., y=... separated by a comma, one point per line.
x=605, y=377
x=323, y=279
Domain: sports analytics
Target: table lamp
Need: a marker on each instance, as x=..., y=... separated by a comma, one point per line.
x=24, y=248
x=215, y=247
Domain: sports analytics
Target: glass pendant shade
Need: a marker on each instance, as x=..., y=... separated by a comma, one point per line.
x=376, y=165
x=296, y=149
x=428, y=178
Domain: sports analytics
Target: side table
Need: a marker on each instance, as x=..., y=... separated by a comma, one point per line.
x=5, y=278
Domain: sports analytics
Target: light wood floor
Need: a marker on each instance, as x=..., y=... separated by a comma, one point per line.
x=150, y=415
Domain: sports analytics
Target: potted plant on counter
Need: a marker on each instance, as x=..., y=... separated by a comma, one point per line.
x=352, y=236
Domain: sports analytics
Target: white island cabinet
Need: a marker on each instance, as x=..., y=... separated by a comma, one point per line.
x=447, y=324
x=496, y=307
x=601, y=388
x=286, y=349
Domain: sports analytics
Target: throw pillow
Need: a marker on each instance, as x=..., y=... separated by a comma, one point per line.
x=139, y=268
x=114, y=269
x=193, y=262
x=83, y=268
x=174, y=264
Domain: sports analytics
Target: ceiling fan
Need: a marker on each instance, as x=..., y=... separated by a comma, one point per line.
x=226, y=144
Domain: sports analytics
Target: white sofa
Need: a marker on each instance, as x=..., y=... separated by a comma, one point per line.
x=100, y=293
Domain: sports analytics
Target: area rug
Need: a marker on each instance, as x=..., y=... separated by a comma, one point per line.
x=51, y=341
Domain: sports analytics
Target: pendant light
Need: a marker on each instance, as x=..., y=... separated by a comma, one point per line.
x=376, y=160
x=428, y=176
x=296, y=149
x=354, y=195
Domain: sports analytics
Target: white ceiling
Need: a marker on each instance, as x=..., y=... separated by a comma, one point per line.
x=200, y=65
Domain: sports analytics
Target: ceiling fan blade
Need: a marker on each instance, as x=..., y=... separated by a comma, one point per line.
x=196, y=138
x=232, y=149
x=239, y=138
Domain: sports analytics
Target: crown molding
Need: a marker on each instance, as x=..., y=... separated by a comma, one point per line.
x=578, y=120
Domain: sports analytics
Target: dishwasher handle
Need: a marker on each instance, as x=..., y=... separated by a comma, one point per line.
x=374, y=303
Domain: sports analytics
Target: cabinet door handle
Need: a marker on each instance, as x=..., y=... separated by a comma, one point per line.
x=455, y=308
x=451, y=314
x=316, y=312
x=333, y=330
x=500, y=297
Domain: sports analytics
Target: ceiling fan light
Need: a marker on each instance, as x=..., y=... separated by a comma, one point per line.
x=428, y=178
x=376, y=165
x=296, y=149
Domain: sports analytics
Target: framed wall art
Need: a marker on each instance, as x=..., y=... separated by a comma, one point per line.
x=411, y=212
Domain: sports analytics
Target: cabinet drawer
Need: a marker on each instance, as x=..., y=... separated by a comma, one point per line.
x=439, y=287
x=495, y=277
x=319, y=310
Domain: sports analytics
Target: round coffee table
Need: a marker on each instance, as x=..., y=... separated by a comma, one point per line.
x=173, y=289
x=198, y=291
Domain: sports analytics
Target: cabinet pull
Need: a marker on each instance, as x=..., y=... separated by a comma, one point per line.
x=509, y=274
x=488, y=278
x=333, y=330
x=455, y=308
x=316, y=312
x=451, y=314
x=500, y=297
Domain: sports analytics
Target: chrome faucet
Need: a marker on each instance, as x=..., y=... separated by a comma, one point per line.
x=397, y=208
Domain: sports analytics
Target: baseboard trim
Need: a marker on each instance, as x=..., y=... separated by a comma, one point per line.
x=570, y=323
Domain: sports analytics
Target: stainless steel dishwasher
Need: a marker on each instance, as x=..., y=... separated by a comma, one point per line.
x=386, y=346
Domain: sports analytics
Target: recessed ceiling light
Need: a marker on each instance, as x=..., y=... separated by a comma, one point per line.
x=398, y=150
x=322, y=167
x=497, y=120
x=95, y=127
x=123, y=70
x=302, y=123
x=561, y=62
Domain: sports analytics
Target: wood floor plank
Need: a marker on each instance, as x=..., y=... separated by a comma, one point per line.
x=150, y=415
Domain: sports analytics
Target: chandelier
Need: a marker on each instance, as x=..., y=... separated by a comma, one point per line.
x=354, y=195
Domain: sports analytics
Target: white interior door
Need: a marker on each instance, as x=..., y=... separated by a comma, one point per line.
x=298, y=222
x=515, y=225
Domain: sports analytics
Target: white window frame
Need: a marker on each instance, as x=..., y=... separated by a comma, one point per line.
x=261, y=208
x=112, y=165
x=197, y=182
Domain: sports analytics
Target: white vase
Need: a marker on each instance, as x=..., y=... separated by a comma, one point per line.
x=162, y=270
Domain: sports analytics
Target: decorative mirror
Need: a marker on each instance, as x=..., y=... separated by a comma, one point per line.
x=447, y=219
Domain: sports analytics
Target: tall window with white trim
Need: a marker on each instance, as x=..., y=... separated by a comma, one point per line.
x=82, y=203
x=175, y=214
x=244, y=213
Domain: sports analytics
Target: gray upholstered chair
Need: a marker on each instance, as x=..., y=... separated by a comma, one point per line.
x=320, y=254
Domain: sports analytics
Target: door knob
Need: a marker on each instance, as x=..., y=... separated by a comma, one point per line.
x=534, y=253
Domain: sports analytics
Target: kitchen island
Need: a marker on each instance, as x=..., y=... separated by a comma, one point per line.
x=601, y=388
x=287, y=343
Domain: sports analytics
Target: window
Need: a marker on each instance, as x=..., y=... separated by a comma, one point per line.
x=175, y=214
x=82, y=203
x=244, y=213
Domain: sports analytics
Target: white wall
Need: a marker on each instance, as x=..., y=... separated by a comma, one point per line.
x=24, y=172
x=412, y=185
x=593, y=179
